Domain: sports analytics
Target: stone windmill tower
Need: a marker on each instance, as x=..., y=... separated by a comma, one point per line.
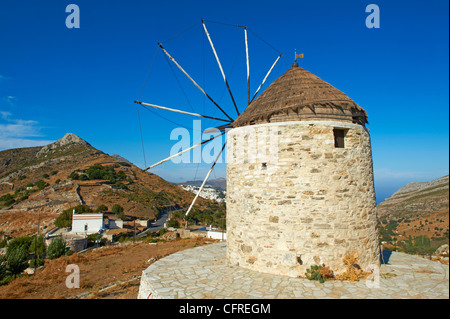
x=309, y=199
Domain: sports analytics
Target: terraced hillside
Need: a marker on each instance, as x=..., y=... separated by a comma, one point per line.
x=417, y=210
x=70, y=172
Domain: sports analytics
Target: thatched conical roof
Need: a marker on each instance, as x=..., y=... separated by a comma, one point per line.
x=300, y=95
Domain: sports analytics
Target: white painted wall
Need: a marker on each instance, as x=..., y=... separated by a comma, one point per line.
x=87, y=223
x=114, y=224
x=216, y=235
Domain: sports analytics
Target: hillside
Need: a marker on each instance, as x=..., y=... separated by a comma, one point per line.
x=218, y=183
x=70, y=172
x=107, y=273
x=416, y=210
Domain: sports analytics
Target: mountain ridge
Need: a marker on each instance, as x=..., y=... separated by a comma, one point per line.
x=417, y=209
x=41, y=182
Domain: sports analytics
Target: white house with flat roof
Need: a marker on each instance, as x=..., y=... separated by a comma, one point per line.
x=87, y=223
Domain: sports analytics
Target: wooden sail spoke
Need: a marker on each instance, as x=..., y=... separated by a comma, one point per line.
x=183, y=151
x=195, y=83
x=204, y=181
x=179, y=111
x=267, y=75
x=248, y=65
x=220, y=66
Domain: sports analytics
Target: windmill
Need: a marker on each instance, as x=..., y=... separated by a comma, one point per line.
x=226, y=117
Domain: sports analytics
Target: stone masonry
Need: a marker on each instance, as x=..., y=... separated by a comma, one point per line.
x=295, y=200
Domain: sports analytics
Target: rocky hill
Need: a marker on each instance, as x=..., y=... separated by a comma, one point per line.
x=69, y=172
x=417, y=209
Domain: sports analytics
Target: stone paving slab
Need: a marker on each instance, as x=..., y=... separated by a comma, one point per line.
x=202, y=273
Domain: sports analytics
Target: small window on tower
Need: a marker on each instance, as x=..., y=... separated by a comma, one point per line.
x=339, y=137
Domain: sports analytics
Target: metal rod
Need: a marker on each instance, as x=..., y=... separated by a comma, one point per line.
x=248, y=65
x=192, y=80
x=266, y=77
x=220, y=66
x=182, y=152
x=204, y=181
x=179, y=111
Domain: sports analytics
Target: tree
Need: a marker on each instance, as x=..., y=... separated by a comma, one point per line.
x=2, y=269
x=74, y=176
x=64, y=220
x=56, y=249
x=173, y=223
x=102, y=208
x=40, y=184
x=16, y=259
x=23, y=241
x=40, y=247
x=116, y=209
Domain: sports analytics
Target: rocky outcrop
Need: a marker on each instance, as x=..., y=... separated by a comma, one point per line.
x=417, y=198
x=68, y=139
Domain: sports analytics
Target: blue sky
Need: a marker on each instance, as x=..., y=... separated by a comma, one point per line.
x=55, y=80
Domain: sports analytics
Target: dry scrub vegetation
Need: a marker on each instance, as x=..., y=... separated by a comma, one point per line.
x=107, y=272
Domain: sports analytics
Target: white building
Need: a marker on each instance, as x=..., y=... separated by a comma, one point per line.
x=115, y=223
x=87, y=223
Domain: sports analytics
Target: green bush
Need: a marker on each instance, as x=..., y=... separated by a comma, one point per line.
x=24, y=241
x=56, y=249
x=318, y=272
x=69, y=253
x=64, y=220
x=2, y=269
x=3, y=243
x=40, y=184
x=173, y=223
x=100, y=209
x=162, y=231
x=39, y=262
x=7, y=200
x=93, y=238
x=121, y=186
x=40, y=248
x=17, y=259
x=116, y=209
x=74, y=176
x=83, y=177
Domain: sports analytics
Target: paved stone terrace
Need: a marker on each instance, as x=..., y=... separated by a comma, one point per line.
x=202, y=272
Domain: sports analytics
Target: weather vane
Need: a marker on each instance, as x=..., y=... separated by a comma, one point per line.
x=298, y=56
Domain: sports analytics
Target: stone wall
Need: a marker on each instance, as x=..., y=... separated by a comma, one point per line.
x=303, y=201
